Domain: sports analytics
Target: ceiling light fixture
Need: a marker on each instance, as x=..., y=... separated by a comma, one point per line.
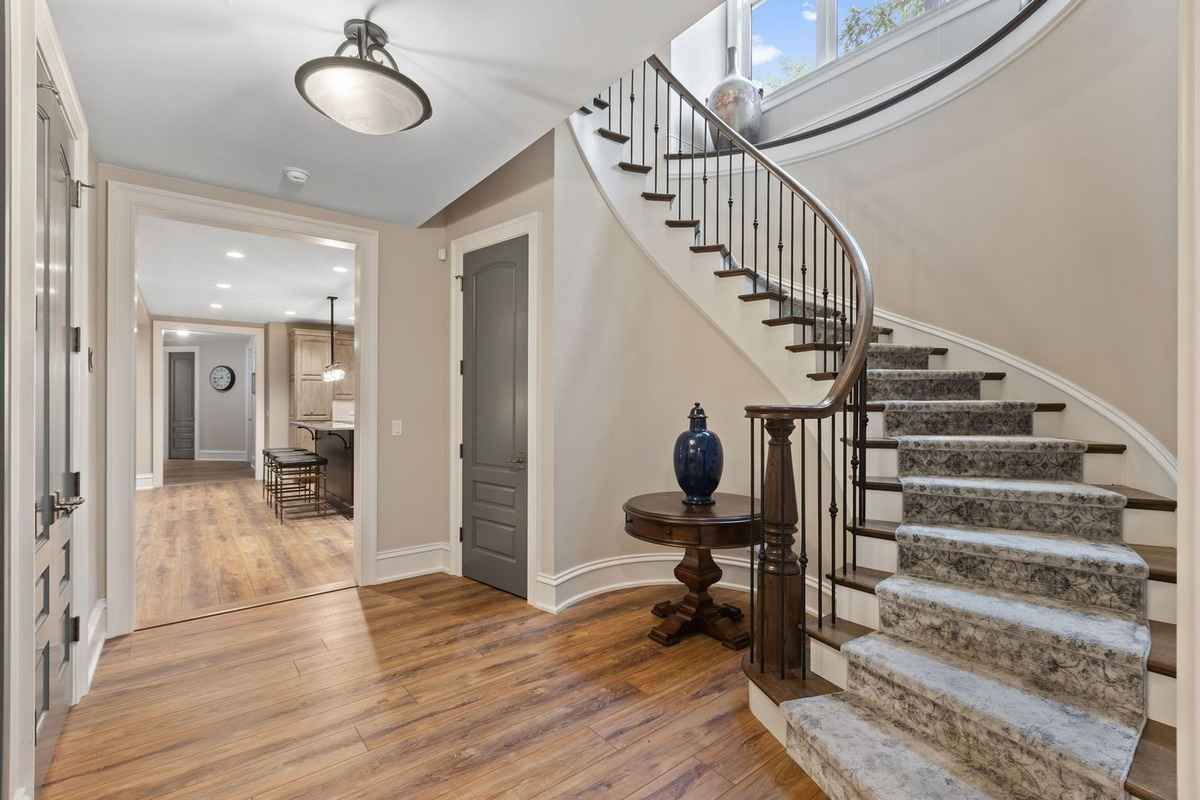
x=183, y=334
x=340, y=269
x=334, y=370
x=224, y=285
x=235, y=254
x=215, y=305
x=366, y=91
x=289, y=313
x=296, y=175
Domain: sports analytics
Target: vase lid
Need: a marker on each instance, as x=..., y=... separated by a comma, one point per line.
x=699, y=419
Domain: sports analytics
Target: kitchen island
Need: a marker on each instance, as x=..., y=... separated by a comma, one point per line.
x=335, y=441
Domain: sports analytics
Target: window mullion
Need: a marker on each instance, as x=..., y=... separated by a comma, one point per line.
x=826, y=31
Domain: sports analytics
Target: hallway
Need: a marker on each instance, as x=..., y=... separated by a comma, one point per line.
x=206, y=546
x=431, y=687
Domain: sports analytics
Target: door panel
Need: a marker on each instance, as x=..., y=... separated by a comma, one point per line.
x=56, y=484
x=495, y=335
x=314, y=399
x=181, y=398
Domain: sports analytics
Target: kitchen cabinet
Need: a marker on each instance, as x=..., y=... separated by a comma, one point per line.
x=311, y=397
x=343, y=351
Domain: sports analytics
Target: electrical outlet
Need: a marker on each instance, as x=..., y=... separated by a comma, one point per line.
x=397, y=427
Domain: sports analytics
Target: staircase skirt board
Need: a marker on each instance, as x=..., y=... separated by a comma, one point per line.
x=1076, y=509
x=1095, y=660
x=1100, y=575
x=1035, y=746
x=991, y=456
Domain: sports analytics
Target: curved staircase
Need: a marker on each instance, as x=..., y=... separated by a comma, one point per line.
x=999, y=620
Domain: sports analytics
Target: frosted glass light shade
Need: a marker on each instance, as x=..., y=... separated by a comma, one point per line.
x=363, y=96
x=333, y=373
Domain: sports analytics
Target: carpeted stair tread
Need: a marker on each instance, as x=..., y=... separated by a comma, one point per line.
x=855, y=753
x=1027, y=491
x=1062, y=735
x=931, y=374
x=972, y=406
x=888, y=347
x=1037, y=620
x=1067, y=552
x=1016, y=444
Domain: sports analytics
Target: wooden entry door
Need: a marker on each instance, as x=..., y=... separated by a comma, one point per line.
x=181, y=405
x=495, y=366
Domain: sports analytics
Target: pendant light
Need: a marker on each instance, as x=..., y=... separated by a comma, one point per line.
x=365, y=91
x=335, y=370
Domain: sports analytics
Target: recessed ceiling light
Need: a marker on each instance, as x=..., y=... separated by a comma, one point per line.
x=183, y=334
x=235, y=254
x=215, y=305
x=296, y=175
x=290, y=313
x=341, y=269
x=352, y=319
x=224, y=285
x=364, y=90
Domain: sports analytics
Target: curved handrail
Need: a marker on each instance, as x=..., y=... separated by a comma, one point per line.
x=856, y=355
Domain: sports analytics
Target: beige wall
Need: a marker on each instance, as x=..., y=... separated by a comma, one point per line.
x=1036, y=212
x=413, y=377
x=277, y=383
x=630, y=356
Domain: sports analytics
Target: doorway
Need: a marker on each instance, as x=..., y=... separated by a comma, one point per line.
x=494, y=419
x=181, y=403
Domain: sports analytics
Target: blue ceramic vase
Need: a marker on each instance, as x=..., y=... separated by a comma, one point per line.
x=699, y=459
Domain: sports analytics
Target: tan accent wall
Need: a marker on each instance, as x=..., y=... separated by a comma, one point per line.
x=1037, y=211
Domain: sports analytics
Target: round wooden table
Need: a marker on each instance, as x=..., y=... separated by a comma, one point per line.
x=663, y=518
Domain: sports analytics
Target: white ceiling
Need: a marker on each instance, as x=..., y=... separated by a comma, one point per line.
x=205, y=89
x=179, y=265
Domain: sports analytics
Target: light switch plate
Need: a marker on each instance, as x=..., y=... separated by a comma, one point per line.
x=397, y=427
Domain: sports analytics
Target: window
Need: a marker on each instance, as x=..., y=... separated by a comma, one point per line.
x=790, y=38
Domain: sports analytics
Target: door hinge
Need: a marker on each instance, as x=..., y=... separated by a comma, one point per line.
x=75, y=629
x=76, y=339
x=460, y=450
x=91, y=361
x=460, y=533
x=460, y=367
x=77, y=188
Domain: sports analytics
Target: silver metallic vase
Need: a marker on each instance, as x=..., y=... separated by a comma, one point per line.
x=737, y=101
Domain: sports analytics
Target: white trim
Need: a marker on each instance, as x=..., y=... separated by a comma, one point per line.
x=222, y=455
x=528, y=225
x=159, y=357
x=409, y=562
x=96, y=636
x=145, y=480
x=126, y=202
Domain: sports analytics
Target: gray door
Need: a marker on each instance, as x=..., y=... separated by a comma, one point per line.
x=181, y=405
x=58, y=488
x=495, y=325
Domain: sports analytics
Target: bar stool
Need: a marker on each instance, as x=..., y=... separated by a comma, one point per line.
x=270, y=456
x=299, y=482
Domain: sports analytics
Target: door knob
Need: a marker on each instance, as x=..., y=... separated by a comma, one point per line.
x=517, y=460
x=65, y=506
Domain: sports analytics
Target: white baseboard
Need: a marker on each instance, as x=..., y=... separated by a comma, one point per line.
x=221, y=455
x=145, y=481
x=409, y=562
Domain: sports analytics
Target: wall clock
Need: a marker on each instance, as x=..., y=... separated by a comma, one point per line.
x=221, y=378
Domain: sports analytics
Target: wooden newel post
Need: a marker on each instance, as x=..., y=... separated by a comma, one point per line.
x=782, y=575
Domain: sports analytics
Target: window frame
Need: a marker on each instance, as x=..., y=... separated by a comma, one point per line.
x=830, y=64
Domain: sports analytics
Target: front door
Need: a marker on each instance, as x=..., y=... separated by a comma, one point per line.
x=181, y=405
x=58, y=488
x=495, y=332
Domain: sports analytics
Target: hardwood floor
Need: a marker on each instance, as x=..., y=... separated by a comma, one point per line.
x=208, y=547
x=178, y=471
x=434, y=687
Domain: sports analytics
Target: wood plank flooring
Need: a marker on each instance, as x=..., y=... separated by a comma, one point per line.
x=434, y=687
x=212, y=546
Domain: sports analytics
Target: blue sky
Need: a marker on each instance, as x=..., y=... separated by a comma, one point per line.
x=787, y=29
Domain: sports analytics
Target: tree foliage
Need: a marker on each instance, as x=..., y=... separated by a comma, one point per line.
x=864, y=24
x=787, y=70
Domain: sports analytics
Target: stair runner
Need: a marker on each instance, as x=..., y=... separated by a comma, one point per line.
x=1012, y=651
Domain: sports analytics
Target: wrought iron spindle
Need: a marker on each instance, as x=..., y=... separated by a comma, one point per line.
x=656, y=77
x=704, y=184
x=632, y=100
x=643, y=126
x=779, y=258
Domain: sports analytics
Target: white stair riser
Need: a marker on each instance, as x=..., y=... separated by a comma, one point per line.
x=1160, y=604
x=828, y=663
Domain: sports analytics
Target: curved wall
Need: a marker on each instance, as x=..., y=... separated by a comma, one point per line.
x=1036, y=211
